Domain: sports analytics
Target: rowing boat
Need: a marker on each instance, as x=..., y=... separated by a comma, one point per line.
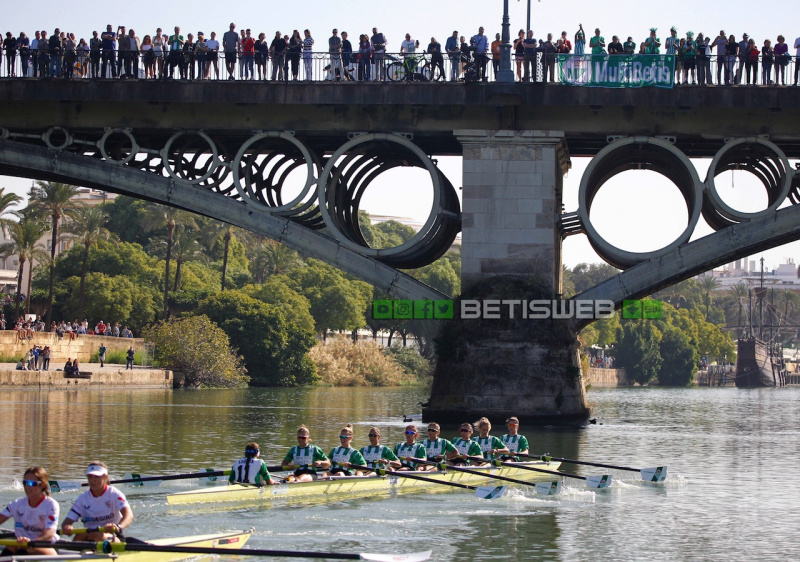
x=218, y=540
x=342, y=485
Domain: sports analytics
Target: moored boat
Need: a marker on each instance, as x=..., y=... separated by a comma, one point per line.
x=759, y=364
x=361, y=485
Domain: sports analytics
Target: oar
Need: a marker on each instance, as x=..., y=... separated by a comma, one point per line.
x=135, y=478
x=542, y=490
x=598, y=482
x=652, y=474
x=64, y=485
x=115, y=547
x=483, y=492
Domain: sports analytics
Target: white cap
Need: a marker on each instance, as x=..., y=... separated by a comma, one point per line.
x=96, y=470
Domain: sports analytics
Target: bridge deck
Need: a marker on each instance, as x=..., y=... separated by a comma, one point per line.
x=699, y=118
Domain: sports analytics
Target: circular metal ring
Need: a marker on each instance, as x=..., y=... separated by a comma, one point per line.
x=434, y=219
x=761, y=158
x=637, y=153
x=211, y=167
x=67, y=138
x=101, y=144
x=248, y=195
x=4, y=133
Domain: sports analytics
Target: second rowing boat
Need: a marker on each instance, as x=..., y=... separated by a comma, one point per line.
x=336, y=485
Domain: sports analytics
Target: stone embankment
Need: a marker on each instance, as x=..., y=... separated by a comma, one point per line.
x=606, y=378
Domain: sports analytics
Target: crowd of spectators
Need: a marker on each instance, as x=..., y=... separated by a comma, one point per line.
x=120, y=53
x=65, y=329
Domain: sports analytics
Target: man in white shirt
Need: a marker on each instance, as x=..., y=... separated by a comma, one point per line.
x=796, y=65
x=720, y=43
x=408, y=48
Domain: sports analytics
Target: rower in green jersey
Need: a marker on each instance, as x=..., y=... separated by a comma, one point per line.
x=344, y=455
x=515, y=442
x=410, y=451
x=306, y=459
x=490, y=446
x=465, y=446
x=377, y=455
x=436, y=448
x=251, y=469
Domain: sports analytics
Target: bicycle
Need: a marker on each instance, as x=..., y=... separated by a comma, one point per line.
x=412, y=67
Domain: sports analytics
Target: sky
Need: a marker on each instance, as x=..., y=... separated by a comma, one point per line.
x=408, y=194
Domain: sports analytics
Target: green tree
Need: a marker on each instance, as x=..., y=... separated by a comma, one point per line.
x=680, y=362
x=638, y=351
x=276, y=291
x=53, y=199
x=126, y=218
x=7, y=200
x=273, y=258
x=586, y=275
x=24, y=236
x=740, y=292
x=441, y=275
x=274, y=349
x=200, y=350
x=160, y=217
x=708, y=284
x=88, y=224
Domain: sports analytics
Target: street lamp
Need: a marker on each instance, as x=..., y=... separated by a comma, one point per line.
x=505, y=74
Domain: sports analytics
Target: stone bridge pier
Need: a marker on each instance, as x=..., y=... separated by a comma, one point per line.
x=504, y=362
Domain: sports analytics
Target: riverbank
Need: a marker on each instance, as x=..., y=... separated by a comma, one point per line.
x=91, y=375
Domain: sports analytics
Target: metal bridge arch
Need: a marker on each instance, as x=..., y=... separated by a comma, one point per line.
x=52, y=164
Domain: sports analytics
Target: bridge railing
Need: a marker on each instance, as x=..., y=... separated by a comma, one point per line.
x=322, y=66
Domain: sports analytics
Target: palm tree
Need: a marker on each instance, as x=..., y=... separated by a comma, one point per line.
x=24, y=235
x=211, y=234
x=273, y=258
x=88, y=224
x=6, y=201
x=708, y=283
x=740, y=293
x=184, y=248
x=53, y=199
x=161, y=216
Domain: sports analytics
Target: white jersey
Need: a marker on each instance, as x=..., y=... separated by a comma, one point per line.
x=32, y=522
x=101, y=510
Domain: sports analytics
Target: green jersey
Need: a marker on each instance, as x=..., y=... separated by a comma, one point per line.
x=596, y=43
x=249, y=471
x=341, y=455
x=304, y=456
x=373, y=454
x=467, y=447
x=487, y=444
x=415, y=450
x=438, y=448
x=515, y=443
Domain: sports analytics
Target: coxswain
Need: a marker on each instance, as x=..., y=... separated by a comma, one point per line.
x=410, y=451
x=304, y=458
x=490, y=445
x=465, y=446
x=343, y=456
x=436, y=448
x=251, y=469
x=377, y=455
x=35, y=516
x=101, y=506
x=514, y=442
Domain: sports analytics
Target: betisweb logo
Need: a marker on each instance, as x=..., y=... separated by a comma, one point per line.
x=495, y=309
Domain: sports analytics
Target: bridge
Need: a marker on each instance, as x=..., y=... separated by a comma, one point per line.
x=224, y=149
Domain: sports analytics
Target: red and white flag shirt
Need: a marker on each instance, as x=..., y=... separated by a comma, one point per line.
x=32, y=521
x=101, y=510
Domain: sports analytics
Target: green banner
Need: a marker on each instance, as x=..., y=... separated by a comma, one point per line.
x=617, y=71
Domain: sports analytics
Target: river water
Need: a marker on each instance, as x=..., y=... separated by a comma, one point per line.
x=732, y=491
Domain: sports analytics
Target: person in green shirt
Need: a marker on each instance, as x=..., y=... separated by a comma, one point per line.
x=377, y=455
x=598, y=43
x=251, y=469
x=304, y=458
x=410, y=451
x=652, y=43
x=465, y=446
x=343, y=456
x=514, y=442
x=436, y=448
x=102, y=354
x=490, y=445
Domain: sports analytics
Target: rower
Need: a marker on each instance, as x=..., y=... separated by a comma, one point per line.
x=251, y=469
x=99, y=506
x=377, y=455
x=305, y=458
x=436, y=448
x=35, y=516
x=515, y=442
x=465, y=446
x=344, y=455
x=410, y=451
x=490, y=445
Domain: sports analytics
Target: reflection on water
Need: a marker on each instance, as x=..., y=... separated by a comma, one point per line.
x=730, y=495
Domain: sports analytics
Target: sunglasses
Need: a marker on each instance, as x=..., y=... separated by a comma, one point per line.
x=434, y=430
x=345, y=436
x=411, y=432
x=302, y=436
x=513, y=425
x=30, y=483
x=374, y=435
x=464, y=430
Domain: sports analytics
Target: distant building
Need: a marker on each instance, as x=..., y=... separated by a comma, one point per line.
x=784, y=277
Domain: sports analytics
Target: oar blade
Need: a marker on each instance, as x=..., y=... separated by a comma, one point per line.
x=64, y=485
x=490, y=492
x=209, y=478
x=548, y=488
x=410, y=557
x=654, y=474
x=598, y=482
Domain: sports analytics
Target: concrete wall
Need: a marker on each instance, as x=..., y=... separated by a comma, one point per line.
x=81, y=347
x=108, y=377
x=607, y=378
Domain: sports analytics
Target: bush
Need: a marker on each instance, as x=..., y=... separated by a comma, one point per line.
x=343, y=363
x=411, y=361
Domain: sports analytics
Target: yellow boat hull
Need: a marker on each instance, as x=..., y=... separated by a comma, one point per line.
x=362, y=485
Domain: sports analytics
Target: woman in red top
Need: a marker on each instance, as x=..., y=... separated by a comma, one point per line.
x=248, y=54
